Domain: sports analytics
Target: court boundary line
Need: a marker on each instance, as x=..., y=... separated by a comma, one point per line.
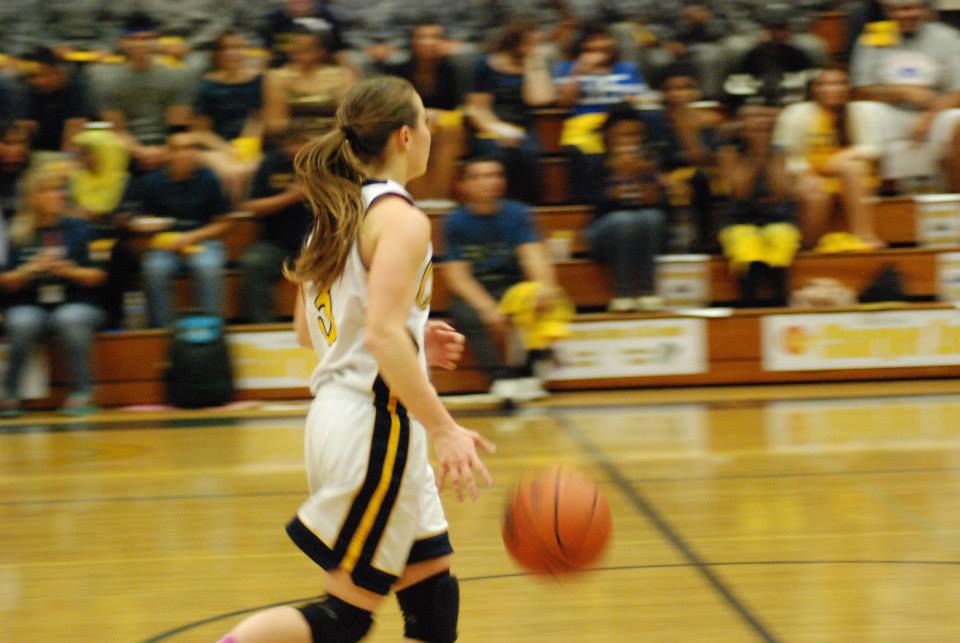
x=57, y=425
x=40, y=502
x=166, y=635
x=655, y=518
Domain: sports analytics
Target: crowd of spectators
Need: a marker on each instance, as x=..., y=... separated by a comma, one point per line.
x=156, y=121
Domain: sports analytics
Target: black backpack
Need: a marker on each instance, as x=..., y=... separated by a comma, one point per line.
x=199, y=373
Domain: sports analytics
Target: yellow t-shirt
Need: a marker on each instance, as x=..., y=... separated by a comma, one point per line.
x=823, y=142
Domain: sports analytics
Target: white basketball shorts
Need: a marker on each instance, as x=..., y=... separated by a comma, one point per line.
x=373, y=505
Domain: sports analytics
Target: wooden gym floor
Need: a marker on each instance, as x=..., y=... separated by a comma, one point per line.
x=795, y=514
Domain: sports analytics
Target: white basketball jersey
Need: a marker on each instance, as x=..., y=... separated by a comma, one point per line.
x=337, y=318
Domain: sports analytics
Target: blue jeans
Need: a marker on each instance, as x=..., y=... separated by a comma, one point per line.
x=262, y=267
x=159, y=269
x=629, y=241
x=73, y=324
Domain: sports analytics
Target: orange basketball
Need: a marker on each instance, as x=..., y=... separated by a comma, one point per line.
x=556, y=522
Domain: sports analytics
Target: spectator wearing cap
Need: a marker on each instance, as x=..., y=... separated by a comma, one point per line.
x=772, y=69
x=915, y=70
x=140, y=98
x=55, y=104
x=693, y=32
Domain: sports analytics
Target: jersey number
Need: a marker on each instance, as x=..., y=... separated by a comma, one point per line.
x=325, y=319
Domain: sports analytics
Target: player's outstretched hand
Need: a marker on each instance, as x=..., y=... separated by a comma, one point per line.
x=456, y=451
x=444, y=345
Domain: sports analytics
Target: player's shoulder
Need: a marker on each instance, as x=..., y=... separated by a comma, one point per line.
x=395, y=213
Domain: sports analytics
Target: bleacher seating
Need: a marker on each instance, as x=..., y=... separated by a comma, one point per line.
x=130, y=363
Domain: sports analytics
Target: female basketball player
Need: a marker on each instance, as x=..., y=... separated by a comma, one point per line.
x=373, y=519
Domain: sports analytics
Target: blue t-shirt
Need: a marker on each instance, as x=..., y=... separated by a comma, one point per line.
x=229, y=105
x=599, y=91
x=489, y=242
x=69, y=238
x=192, y=201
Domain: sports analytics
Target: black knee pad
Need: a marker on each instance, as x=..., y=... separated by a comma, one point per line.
x=335, y=621
x=431, y=609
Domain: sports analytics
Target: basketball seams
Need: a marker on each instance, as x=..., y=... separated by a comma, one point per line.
x=578, y=536
x=556, y=512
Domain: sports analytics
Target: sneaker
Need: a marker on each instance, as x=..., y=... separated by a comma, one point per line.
x=620, y=305
x=529, y=389
x=10, y=409
x=505, y=389
x=649, y=303
x=78, y=405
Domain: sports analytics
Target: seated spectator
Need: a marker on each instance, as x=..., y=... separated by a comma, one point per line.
x=230, y=96
x=276, y=199
x=685, y=139
x=190, y=194
x=491, y=245
x=18, y=35
x=860, y=13
x=462, y=23
x=15, y=151
x=50, y=286
x=831, y=145
x=629, y=229
x=99, y=183
x=369, y=28
x=916, y=72
x=228, y=106
x=509, y=82
x=54, y=105
x=70, y=27
x=434, y=77
x=142, y=99
x=4, y=238
x=284, y=22
x=589, y=84
x=693, y=33
x=307, y=90
x=761, y=238
x=559, y=22
x=8, y=99
x=188, y=30
x=773, y=69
